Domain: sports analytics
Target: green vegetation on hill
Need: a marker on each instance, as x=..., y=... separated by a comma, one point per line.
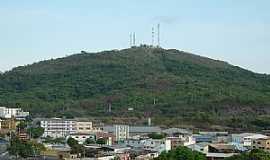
x=185, y=87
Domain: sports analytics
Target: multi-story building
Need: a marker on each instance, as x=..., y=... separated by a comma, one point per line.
x=8, y=124
x=57, y=127
x=84, y=127
x=262, y=143
x=121, y=132
x=18, y=113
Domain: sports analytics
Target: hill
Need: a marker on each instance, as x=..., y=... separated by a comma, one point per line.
x=172, y=86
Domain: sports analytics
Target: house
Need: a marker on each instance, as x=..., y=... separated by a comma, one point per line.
x=221, y=151
x=182, y=140
x=116, y=148
x=147, y=155
x=203, y=138
x=95, y=151
x=261, y=143
x=243, y=141
x=57, y=127
x=176, y=132
x=199, y=147
x=18, y=113
x=156, y=145
x=22, y=134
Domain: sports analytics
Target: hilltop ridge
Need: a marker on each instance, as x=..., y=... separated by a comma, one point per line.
x=185, y=87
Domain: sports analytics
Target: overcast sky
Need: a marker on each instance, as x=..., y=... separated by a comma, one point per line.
x=236, y=31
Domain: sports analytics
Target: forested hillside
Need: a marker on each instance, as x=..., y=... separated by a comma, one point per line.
x=170, y=85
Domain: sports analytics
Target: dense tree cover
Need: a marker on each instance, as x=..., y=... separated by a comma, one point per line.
x=101, y=141
x=54, y=140
x=185, y=87
x=181, y=153
x=24, y=149
x=156, y=135
x=253, y=155
x=75, y=146
x=22, y=125
x=35, y=132
x=89, y=141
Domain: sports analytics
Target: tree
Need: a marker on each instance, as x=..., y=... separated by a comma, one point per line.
x=101, y=141
x=156, y=136
x=253, y=155
x=22, y=125
x=72, y=142
x=89, y=141
x=181, y=153
x=75, y=146
x=24, y=149
x=35, y=132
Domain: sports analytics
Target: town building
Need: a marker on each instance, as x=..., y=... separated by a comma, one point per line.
x=176, y=131
x=199, y=147
x=57, y=127
x=243, y=141
x=109, y=137
x=8, y=124
x=181, y=141
x=84, y=127
x=261, y=143
x=18, y=113
x=135, y=130
x=155, y=145
x=221, y=151
x=121, y=132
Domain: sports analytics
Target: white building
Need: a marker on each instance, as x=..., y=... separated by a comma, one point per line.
x=84, y=127
x=18, y=113
x=157, y=145
x=199, y=147
x=121, y=132
x=245, y=139
x=57, y=127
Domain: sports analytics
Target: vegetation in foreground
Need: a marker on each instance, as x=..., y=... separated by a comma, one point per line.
x=183, y=153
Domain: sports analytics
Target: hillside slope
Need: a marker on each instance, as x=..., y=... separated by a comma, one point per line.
x=170, y=85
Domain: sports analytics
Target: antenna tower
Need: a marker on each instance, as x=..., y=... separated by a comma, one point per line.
x=134, y=39
x=158, y=35
x=153, y=37
x=130, y=39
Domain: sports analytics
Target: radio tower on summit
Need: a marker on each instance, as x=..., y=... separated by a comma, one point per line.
x=158, y=35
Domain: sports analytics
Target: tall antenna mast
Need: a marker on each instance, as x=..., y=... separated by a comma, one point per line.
x=134, y=39
x=153, y=37
x=130, y=40
x=158, y=35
